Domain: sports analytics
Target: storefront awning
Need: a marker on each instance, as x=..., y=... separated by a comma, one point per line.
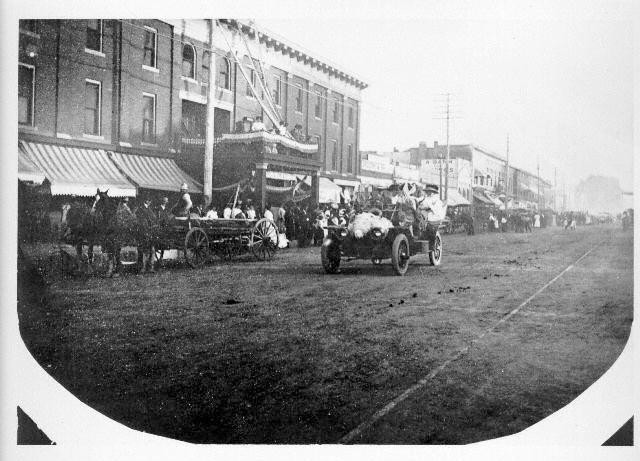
x=455, y=198
x=373, y=181
x=155, y=173
x=77, y=171
x=29, y=171
x=346, y=182
x=479, y=196
x=496, y=201
x=329, y=191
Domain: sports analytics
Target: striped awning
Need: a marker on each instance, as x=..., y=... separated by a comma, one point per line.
x=157, y=173
x=455, y=198
x=77, y=171
x=29, y=171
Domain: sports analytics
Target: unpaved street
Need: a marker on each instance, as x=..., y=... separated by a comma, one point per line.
x=280, y=352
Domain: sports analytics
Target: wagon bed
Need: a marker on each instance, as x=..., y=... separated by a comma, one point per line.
x=226, y=238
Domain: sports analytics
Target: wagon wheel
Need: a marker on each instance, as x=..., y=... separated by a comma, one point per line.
x=400, y=254
x=196, y=247
x=435, y=254
x=264, y=239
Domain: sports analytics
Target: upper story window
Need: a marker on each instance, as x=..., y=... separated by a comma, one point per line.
x=336, y=110
x=277, y=92
x=224, y=74
x=318, y=107
x=206, y=65
x=350, y=117
x=92, y=104
x=150, y=58
x=252, y=77
x=148, y=118
x=94, y=35
x=299, y=98
x=26, y=94
x=188, y=61
x=28, y=25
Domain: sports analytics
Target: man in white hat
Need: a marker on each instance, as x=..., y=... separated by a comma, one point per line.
x=430, y=208
x=184, y=204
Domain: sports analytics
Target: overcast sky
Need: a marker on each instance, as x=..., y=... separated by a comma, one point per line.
x=557, y=77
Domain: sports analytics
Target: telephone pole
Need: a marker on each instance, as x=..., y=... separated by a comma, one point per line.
x=446, y=177
x=538, y=158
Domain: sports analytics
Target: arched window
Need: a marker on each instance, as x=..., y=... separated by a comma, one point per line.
x=224, y=73
x=188, y=61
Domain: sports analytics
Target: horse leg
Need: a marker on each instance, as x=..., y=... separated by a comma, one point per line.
x=79, y=256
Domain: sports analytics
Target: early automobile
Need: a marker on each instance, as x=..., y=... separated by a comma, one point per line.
x=393, y=232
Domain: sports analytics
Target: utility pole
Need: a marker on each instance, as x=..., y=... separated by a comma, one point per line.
x=207, y=183
x=538, y=158
x=506, y=180
x=446, y=178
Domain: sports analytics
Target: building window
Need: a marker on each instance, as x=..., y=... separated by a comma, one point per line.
x=206, y=64
x=350, y=118
x=92, y=104
x=224, y=74
x=252, y=77
x=318, y=108
x=28, y=25
x=150, y=58
x=188, y=61
x=334, y=156
x=94, y=35
x=26, y=93
x=277, y=92
x=350, y=158
x=149, y=118
x=336, y=111
x=298, y=98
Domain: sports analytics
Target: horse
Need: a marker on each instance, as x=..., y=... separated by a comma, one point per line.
x=104, y=223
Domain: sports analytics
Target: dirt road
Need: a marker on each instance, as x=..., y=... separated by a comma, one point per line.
x=279, y=352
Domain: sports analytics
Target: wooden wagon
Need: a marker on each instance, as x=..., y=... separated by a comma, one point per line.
x=199, y=238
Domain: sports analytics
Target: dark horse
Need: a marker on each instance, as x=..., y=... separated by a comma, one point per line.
x=104, y=224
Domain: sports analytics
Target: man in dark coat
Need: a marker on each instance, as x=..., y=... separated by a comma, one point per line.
x=147, y=223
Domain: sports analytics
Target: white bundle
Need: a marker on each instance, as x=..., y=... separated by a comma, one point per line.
x=362, y=223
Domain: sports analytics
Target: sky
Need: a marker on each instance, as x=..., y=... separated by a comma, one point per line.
x=557, y=78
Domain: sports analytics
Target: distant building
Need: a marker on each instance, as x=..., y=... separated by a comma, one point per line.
x=476, y=170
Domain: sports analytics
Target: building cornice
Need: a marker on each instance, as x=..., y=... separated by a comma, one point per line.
x=279, y=44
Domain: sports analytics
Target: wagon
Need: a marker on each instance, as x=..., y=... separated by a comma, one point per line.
x=402, y=241
x=200, y=238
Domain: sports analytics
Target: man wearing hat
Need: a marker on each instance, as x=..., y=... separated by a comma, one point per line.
x=430, y=208
x=146, y=222
x=182, y=208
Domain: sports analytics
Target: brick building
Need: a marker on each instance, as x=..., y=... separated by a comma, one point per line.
x=144, y=89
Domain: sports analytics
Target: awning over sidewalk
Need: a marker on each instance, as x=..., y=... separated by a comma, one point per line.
x=479, y=196
x=29, y=171
x=157, y=173
x=329, y=191
x=77, y=171
x=455, y=198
